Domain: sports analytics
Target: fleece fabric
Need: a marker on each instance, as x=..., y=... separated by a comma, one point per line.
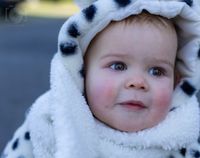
x=60, y=123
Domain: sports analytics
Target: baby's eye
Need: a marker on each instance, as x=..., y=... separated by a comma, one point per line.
x=118, y=66
x=157, y=71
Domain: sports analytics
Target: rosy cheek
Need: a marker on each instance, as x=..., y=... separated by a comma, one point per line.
x=106, y=89
x=101, y=88
x=163, y=99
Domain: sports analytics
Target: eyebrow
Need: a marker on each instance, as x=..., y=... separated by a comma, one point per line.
x=164, y=61
x=112, y=55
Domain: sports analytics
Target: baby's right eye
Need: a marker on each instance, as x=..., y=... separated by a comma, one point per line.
x=118, y=66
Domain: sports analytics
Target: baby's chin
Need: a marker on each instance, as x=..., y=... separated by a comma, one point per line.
x=124, y=128
x=133, y=128
x=130, y=129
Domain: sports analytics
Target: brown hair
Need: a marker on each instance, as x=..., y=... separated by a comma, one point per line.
x=147, y=18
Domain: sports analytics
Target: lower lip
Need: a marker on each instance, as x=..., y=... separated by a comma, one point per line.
x=133, y=106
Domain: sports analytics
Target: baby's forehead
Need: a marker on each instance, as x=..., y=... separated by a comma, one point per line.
x=143, y=19
x=120, y=37
x=135, y=23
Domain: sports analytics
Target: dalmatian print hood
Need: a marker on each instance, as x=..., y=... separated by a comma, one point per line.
x=67, y=121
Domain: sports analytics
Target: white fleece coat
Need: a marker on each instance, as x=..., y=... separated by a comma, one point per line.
x=60, y=123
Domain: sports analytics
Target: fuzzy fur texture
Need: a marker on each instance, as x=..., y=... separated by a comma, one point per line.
x=60, y=122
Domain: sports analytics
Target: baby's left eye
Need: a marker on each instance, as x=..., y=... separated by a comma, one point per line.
x=157, y=71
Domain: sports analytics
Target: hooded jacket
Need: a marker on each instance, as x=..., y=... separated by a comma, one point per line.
x=60, y=123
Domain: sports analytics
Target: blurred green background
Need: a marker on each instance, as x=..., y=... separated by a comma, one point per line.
x=28, y=40
x=38, y=8
x=48, y=8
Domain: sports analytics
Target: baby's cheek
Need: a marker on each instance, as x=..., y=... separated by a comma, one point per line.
x=163, y=98
x=105, y=90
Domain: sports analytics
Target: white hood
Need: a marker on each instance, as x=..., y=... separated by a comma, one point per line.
x=72, y=130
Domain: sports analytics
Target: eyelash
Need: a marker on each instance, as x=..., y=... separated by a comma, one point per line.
x=160, y=71
x=118, y=63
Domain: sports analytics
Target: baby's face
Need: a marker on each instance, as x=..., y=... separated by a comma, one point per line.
x=130, y=75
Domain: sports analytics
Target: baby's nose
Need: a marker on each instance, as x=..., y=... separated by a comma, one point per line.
x=137, y=82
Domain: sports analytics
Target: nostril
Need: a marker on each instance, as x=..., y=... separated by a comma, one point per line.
x=137, y=86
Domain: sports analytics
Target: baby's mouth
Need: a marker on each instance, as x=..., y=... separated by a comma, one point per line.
x=135, y=105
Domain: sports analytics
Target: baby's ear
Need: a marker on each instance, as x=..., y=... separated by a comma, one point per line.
x=84, y=3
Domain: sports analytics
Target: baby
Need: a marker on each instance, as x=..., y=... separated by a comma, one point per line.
x=125, y=56
x=130, y=72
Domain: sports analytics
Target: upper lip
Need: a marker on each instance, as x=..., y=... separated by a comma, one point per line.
x=133, y=102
